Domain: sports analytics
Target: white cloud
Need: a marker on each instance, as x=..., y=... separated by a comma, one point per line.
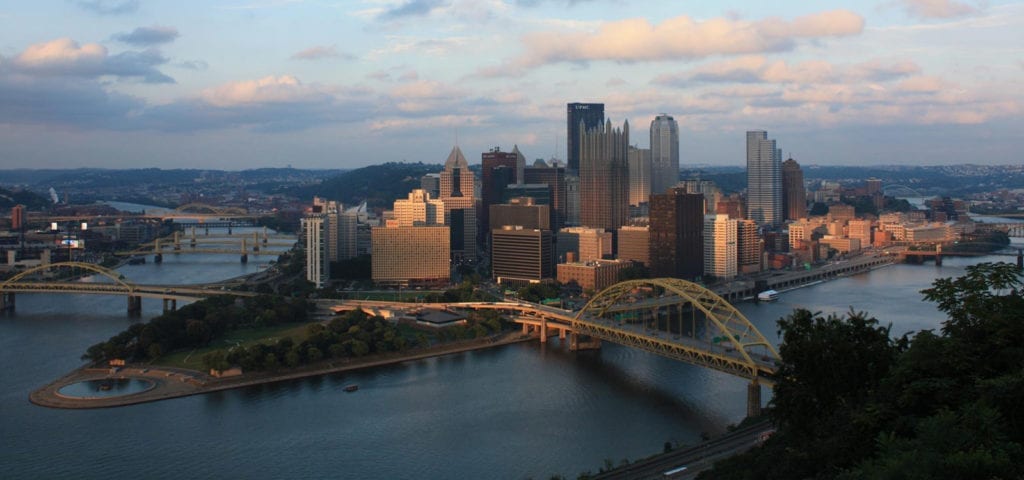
x=320, y=52
x=145, y=36
x=282, y=89
x=65, y=57
x=937, y=8
x=678, y=38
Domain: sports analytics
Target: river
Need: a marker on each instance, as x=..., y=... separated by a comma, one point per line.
x=519, y=411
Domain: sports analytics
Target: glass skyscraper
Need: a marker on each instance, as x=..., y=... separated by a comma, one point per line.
x=764, y=179
x=664, y=153
x=592, y=116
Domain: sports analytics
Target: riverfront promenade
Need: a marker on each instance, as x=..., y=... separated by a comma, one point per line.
x=176, y=382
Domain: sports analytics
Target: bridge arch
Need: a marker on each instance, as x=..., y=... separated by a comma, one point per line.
x=728, y=323
x=901, y=190
x=106, y=272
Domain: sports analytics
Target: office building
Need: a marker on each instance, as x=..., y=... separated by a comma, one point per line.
x=721, y=256
x=572, y=199
x=677, y=234
x=554, y=178
x=841, y=213
x=521, y=256
x=595, y=275
x=418, y=255
x=498, y=170
x=764, y=179
x=749, y=247
x=664, y=153
x=634, y=244
x=731, y=206
x=604, y=177
x=431, y=183
x=418, y=209
x=315, y=228
x=522, y=211
x=861, y=230
x=794, y=195
x=586, y=243
x=459, y=205
x=17, y=218
x=639, y=176
x=579, y=118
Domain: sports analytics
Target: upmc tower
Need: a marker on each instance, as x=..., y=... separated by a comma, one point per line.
x=592, y=116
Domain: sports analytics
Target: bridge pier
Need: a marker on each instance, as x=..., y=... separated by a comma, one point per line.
x=158, y=258
x=134, y=305
x=170, y=304
x=7, y=302
x=245, y=258
x=754, y=399
x=543, y=331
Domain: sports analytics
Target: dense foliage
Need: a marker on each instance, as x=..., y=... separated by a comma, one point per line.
x=853, y=403
x=378, y=185
x=10, y=198
x=196, y=324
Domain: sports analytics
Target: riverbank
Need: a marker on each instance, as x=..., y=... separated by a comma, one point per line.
x=172, y=383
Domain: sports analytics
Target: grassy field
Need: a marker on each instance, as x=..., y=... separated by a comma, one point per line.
x=194, y=358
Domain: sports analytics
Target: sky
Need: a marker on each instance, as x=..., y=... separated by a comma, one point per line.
x=342, y=84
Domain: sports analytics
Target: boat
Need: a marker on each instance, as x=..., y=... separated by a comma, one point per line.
x=351, y=387
x=768, y=296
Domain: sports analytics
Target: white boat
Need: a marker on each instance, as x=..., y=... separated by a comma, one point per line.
x=768, y=296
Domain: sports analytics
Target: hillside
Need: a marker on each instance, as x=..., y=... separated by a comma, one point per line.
x=378, y=185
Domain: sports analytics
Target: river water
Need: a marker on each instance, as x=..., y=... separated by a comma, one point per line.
x=519, y=411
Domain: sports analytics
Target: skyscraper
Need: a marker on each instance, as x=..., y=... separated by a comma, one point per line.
x=639, y=176
x=604, y=177
x=664, y=153
x=418, y=209
x=720, y=243
x=591, y=115
x=553, y=177
x=794, y=196
x=498, y=170
x=677, y=234
x=764, y=179
x=315, y=228
x=521, y=256
x=459, y=205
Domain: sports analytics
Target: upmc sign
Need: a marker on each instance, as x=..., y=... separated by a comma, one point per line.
x=582, y=107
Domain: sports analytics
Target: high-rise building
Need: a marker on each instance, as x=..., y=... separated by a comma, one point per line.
x=579, y=118
x=664, y=153
x=572, y=199
x=521, y=256
x=17, y=217
x=417, y=255
x=604, y=177
x=794, y=195
x=874, y=185
x=315, y=228
x=764, y=179
x=720, y=246
x=634, y=244
x=677, y=234
x=554, y=178
x=431, y=183
x=749, y=247
x=523, y=212
x=418, y=209
x=459, y=205
x=498, y=170
x=639, y=176
x=595, y=275
x=842, y=213
x=587, y=243
x=860, y=230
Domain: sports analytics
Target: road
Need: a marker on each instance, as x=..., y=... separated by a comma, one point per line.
x=696, y=459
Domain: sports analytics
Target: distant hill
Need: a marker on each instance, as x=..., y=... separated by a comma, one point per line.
x=378, y=185
x=10, y=198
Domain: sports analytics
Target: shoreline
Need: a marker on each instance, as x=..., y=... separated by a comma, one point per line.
x=173, y=383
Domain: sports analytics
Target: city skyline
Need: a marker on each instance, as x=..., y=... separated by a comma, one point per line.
x=241, y=84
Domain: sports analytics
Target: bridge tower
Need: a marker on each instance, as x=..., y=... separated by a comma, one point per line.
x=192, y=241
x=134, y=305
x=170, y=304
x=245, y=255
x=255, y=241
x=938, y=255
x=177, y=241
x=158, y=256
x=7, y=302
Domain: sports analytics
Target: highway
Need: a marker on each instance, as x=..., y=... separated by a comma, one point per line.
x=696, y=459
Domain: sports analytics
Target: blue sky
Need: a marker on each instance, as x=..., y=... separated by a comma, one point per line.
x=340, y=84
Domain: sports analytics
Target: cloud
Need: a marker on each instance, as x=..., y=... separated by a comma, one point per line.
x=679, y=38
x=65, y=57
x=148, y=36
x=282, y=89
x=320, y=53
x=197, y=65
x=937, y=8
x=109, y=7
x=62, y=101
x=410, y=8
x=757, y=69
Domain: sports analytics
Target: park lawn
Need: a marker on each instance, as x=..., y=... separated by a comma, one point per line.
x=193, y=359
